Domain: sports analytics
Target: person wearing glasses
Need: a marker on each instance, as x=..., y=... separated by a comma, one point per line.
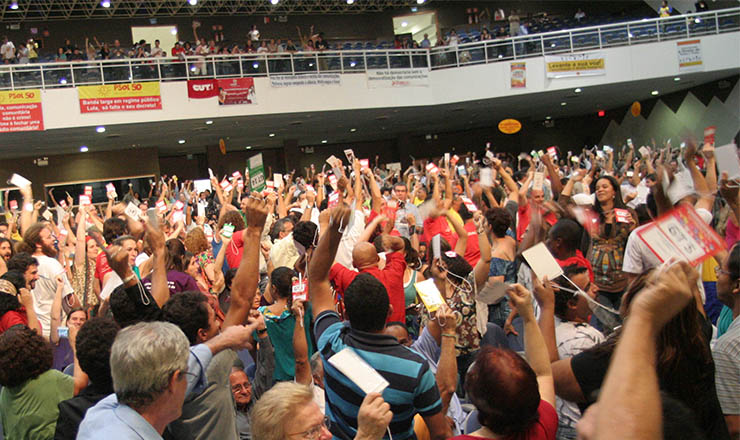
x=288, y=411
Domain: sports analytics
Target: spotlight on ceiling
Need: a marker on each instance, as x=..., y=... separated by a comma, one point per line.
x=105, y=4
x=83, y=149
x=192, y=2
x=14, y=6
x=274, y=2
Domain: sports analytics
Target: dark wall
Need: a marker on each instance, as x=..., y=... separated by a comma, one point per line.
x=87, y=166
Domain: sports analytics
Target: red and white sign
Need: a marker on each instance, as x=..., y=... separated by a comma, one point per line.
x=120, y=97
x=88, y=190
x=236, y=175
x=236, y=91
x=681, y=233
x=333, y=199
x=240, y=184
x=333, y=180
x=432, y=168
x=62, y=203
x=552, y=151
x=622, y=215
x=13, y=205
x=709, y=134
x=84, y=200
x=226, y=185
x=161, y=206
x=179, y=205
x=202, y=88
x=110, y=189
x=364, y=163
x=300, y=289
x=20, y=110
x=469, y=204
x=455, y=159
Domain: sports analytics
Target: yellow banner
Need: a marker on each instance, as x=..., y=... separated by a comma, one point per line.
x=20, y=97
x=119, y=90
x=575, y=65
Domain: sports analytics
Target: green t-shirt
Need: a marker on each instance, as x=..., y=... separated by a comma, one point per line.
x=30, y=411
x=280, y=330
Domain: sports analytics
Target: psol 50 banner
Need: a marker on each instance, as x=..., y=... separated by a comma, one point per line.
x=120, y=97
x=20, y=110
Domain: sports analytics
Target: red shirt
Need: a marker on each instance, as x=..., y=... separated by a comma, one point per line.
x=472, y=250
x=525, y=214
x=13, y=317
x=543, y=429
x=391, y=276
x=438, y=225
x=101, y=266
x=177, y=51
x=235, y=250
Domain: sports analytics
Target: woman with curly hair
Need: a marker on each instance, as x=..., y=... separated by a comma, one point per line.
x=31, y=389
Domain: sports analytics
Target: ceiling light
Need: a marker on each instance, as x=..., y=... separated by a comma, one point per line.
x=414, y=9
x=274, y=2
x=352, y=64
x=181, y=141
x=678, y=78
x=349, y=2
x=83, y=149
x=352, y=130
x=578, y=90
x=192, y=2
x=404, y=24
x=272, y=135
x=697, y=20
x=63, y=80
x=209, y=122
x=256, y=65
x=100, y=129
x=548, y=117
x=630, y=35
x=249, y=147
x=563, y=103
x=420, y=2
x=173, y=31
x=324, y=141
x=105, y=4
x=654, y=93
x=14, y=6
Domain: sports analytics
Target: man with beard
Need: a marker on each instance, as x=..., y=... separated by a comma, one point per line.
x=39, y=242
x=242, y=390
x=28, y=266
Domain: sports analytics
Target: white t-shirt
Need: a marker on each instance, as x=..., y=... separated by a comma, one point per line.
x=46, y=287
x=637, y=255
x=7, y=50
x=254, y=35
x=573, y=338
x=349, y=240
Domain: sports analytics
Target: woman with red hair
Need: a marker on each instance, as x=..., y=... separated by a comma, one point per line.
x=514, y=399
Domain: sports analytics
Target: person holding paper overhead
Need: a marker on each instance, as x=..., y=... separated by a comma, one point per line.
x=412, y=388
x=514, y=398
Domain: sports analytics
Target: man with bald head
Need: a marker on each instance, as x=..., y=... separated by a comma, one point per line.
x=366, y=259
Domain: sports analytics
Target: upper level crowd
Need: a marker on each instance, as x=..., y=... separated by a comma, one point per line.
x=499, y=25
x=469, y=296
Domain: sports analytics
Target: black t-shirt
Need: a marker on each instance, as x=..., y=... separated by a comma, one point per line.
x=691, y=382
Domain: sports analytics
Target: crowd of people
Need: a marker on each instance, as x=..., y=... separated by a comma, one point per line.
x=357, y=300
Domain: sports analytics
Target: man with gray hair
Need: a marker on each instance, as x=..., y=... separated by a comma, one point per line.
x=153, y=368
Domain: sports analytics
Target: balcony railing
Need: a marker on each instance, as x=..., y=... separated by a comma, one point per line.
x=78, y=73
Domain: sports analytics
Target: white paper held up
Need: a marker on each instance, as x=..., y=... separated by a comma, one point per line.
x=349, y=363
x=542, y=262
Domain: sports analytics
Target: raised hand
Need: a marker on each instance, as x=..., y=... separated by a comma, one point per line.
x=521, y=298
x=669, y=290
x=373, y=418
x=256, y=211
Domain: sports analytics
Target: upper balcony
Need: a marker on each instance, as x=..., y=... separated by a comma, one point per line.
x=78, y=73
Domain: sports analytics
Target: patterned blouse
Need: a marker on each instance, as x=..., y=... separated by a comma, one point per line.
x=468, y=337
x=82, y=289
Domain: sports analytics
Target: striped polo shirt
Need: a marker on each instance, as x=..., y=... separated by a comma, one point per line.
x=412, y=388
x=726, y=354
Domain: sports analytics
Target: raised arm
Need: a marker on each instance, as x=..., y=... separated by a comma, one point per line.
x=244, y=286
x=300, y=345
x=534, y=344
x=155, y=241
x=323, y=257
x=630, y=396
x=554, y=175
x=481, y=268
x=462, y=234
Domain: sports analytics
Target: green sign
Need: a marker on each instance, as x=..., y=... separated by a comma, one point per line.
x=256, y=173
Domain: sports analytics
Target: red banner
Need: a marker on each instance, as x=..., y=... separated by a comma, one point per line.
x=120, y=97
x=21, y=111
x=202, y=88
x=236, y=91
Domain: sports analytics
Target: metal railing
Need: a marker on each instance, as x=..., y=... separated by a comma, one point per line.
x=79, y=73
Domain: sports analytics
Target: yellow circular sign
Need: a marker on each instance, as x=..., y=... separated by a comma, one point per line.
x=509, y=126
x=222, y=146
x=636, y=109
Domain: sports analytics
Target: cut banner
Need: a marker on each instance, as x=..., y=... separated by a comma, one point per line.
x=21, y=111
x=120, y=97
x=575, y=64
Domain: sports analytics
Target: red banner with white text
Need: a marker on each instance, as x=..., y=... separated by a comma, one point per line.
x=202, y=88
x=236, y=91
x=20, y=110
